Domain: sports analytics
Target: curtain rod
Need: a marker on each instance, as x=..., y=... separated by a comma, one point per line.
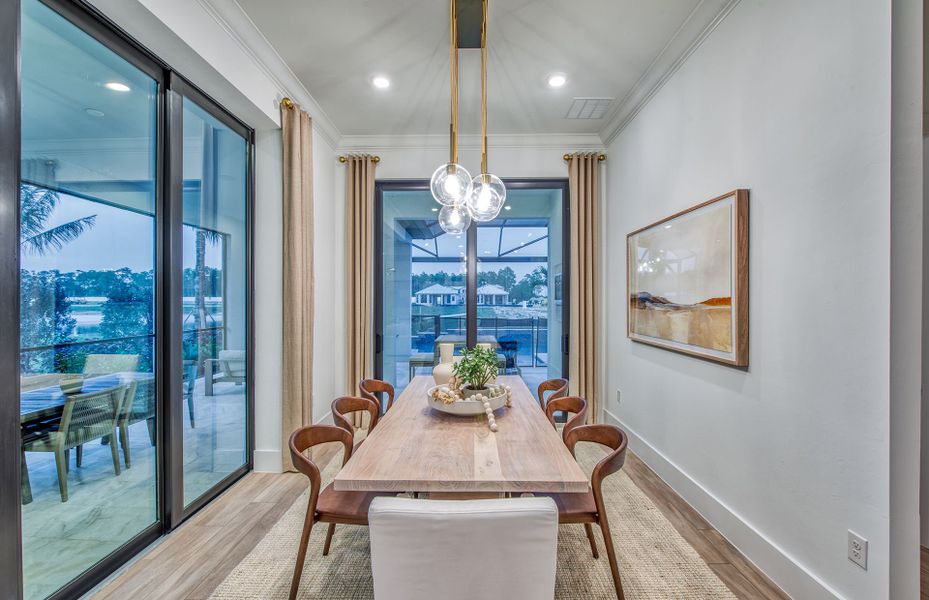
x=375, y=159
x=600, y=157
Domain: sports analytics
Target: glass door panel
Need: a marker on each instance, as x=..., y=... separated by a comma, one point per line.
x=214, y=300
x=88, y=301
x=422, y=286
x=520, y=284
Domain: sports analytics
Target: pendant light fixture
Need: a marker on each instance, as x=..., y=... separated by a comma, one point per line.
x=451, y=183
x=487, y=191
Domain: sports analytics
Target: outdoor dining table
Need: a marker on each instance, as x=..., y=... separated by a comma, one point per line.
x=42, y=407
x=415, y=448
x=48, y=402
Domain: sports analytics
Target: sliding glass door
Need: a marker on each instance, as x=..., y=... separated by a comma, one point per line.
x=88, y=300
x=214, y=308
x=518, y=289
x=125, y=223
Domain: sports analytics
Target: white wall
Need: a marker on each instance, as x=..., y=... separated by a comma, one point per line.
x=786, y=456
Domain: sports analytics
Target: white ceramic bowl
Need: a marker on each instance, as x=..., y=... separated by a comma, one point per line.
x=467, y=408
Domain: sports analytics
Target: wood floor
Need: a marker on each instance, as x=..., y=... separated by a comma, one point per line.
x=189, y=563
x=923, y=573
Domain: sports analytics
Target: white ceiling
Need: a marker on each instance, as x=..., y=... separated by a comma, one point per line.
x=605, y=47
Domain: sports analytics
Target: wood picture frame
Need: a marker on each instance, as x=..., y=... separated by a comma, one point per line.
x=695, y=263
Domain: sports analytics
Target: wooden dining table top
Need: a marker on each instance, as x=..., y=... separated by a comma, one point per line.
x=415, y=448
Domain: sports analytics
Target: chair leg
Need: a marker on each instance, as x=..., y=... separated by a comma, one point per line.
x=115, y=451
x=329, y=533
x=190, y=410
x=61, y=465
x=151, y=430
x=590, y=537
x=26, y=488
x=124, y=442
x=611, y=554
x=301, y=554
x=79, y=452
x=67, y=461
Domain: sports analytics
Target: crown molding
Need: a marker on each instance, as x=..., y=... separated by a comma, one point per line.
x=560, y=141
x=700, y=23
x=243, y=30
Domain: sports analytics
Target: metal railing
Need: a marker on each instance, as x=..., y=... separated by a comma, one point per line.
x=531, y=334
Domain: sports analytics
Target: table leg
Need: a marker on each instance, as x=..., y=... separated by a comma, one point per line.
x=208, y=378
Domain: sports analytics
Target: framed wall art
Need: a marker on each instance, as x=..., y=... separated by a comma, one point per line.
x=687, y=281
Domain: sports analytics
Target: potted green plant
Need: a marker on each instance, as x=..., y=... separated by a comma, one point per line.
x=477, y=368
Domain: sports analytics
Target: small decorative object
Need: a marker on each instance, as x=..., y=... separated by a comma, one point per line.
x=447, y=399
x=476, y=369
x=71, y=384
x=442, y=373
x=687, y=280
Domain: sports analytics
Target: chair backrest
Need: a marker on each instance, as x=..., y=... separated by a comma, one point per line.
x=608, y=435
x=128, y=402
x=305, y=438
x=344, y=405
x=558, y=388
x=233, y=362
x=104, y=364
x=463, y=549
x=90, y=416
x=568, y=404
x=370, y=388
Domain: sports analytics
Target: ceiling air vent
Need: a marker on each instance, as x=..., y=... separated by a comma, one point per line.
x=589, y=108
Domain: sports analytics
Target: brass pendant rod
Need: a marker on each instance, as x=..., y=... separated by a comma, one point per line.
x=484, y=90
x=453, y=80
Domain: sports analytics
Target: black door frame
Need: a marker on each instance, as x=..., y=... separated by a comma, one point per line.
x=168, y=280
x=471, y=324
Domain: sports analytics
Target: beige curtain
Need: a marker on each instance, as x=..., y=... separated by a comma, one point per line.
x=297, y=367
x=360, y=199
x=583, y=173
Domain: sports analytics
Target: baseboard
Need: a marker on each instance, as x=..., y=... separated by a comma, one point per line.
x=791, y=576
x=267, y=461
x=271, y=461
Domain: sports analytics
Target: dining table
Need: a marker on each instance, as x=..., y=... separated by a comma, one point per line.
x=48, y=402
x=40, y=411
x=416, y=448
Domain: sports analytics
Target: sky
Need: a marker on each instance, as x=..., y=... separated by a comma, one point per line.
x=119, y=238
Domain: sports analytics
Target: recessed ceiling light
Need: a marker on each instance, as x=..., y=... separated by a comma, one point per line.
x=435, y=210
x=93, y=112
x=381, y=82
x=116, y=86
x=556, y=80
x=508, y=207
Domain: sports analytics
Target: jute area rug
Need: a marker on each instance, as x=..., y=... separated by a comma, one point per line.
x=655, y=562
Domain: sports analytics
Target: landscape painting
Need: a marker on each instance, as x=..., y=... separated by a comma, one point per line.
x=688, y=281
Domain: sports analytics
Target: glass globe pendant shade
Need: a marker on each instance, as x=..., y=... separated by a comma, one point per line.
x=487, y=197
x=454, y=219
x=451, y=184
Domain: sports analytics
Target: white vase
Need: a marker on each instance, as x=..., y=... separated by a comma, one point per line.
x=442, y=372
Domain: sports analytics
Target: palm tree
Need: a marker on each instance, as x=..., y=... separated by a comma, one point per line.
x=37, y=205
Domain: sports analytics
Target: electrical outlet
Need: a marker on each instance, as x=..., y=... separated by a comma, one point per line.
x=619, y=397
x=857, y=549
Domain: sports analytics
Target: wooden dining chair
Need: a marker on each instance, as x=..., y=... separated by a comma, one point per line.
x=326, y=505
x=588, y=508
x=558, y=387
x=370, y=388
x=567, y=404
x=344, y=406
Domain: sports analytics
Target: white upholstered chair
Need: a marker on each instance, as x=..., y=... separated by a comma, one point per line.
x=463, y=549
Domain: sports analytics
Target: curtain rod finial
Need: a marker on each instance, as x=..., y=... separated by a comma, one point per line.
x=601, y=157
x=287, y=103
x=342, y=159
